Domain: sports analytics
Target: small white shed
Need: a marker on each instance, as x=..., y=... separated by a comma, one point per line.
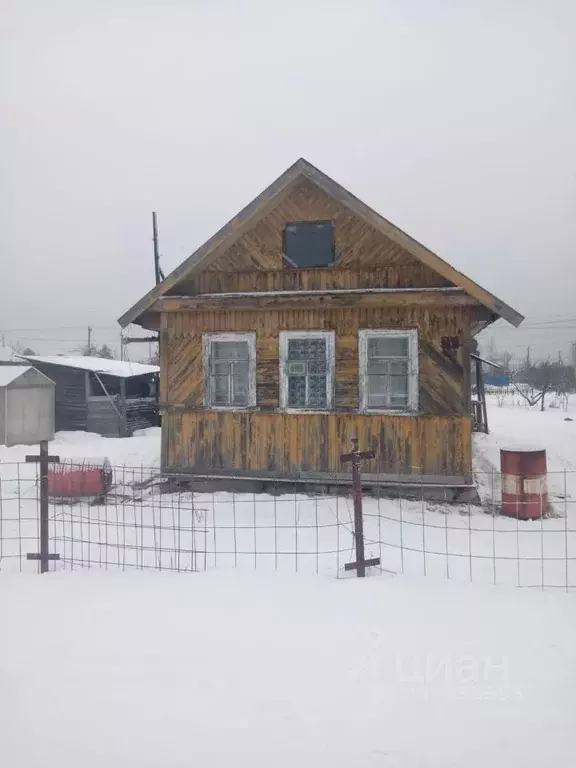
x=26, y=405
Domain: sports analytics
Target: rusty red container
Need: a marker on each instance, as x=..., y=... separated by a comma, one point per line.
x=77, y=479
x=524, y=482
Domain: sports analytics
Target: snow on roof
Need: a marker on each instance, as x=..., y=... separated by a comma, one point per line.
x=120, y=368
x=9, y=373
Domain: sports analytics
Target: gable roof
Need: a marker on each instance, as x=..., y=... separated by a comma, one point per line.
x=9, y=373
x=267, y=199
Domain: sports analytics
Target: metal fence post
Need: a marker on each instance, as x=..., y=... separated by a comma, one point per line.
x=43, y=460
x=355, y=457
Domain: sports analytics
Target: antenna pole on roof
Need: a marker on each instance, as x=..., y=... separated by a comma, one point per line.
x=157, y=271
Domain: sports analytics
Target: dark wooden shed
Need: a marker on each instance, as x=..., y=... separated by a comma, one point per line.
x=110, y=397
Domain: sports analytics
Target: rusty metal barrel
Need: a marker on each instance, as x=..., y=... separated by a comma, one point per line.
x=77, y=478
x=524, y=482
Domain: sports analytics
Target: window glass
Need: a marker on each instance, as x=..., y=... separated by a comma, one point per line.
x=307, y=371
x=229, y=373
x=309, y=244
x=388, y=370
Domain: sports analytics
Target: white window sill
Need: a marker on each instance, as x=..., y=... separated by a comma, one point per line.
x=389, y=412
x=230, y=408
x=306, y=410
x=295, y=411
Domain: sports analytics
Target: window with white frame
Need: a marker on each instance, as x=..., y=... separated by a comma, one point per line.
x=306, y=369
x=229, y=370
x=388, y=370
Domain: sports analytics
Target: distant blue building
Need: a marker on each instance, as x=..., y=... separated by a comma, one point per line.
x=496, y=379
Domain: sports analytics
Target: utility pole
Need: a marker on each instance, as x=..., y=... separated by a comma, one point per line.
x=89, y=348
x=156, y=252
x=121, y=346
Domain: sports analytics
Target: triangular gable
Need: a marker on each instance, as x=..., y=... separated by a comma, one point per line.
x=271, y=196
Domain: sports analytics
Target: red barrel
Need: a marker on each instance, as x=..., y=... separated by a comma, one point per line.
x=524, y=482
x=74, y=479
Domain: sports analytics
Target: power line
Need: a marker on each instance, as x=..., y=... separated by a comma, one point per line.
x=55, y=328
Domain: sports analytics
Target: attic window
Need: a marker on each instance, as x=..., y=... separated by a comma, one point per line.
x=308, y=244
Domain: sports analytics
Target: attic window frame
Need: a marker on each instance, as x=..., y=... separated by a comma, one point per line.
x=294, y=265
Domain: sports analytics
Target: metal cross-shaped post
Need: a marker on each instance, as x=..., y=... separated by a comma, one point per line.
x=355, y=457
x=43, y=460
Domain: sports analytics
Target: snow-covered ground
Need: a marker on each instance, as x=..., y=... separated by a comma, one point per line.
x=250, y=667
x=512, y=424
x=139, y=527
x=141, y=450
x=220, y=669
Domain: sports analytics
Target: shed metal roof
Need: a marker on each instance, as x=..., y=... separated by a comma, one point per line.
x=123, y=369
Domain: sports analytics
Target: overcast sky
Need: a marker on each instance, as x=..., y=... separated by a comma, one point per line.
x=454, y=119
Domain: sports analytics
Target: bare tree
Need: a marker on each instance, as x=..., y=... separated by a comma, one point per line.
x=20, y=349
x=95, y=351
x=501, y=394
x=504, y=361
x=87, y=350
x=565, y=383
x=535, y=380
x=106, y=352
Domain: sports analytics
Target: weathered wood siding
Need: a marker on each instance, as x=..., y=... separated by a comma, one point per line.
x=103, y=418
x=364, y=257
x=443, y=376
x=287, y=443
x=436, y=442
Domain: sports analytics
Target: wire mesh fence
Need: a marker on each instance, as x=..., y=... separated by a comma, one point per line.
x=143, y=522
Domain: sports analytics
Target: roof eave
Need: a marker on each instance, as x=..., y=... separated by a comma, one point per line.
x=506, y=312
x=232, y=229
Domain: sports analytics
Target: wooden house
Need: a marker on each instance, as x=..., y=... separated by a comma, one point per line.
x=110, y=397
x=309, y=320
